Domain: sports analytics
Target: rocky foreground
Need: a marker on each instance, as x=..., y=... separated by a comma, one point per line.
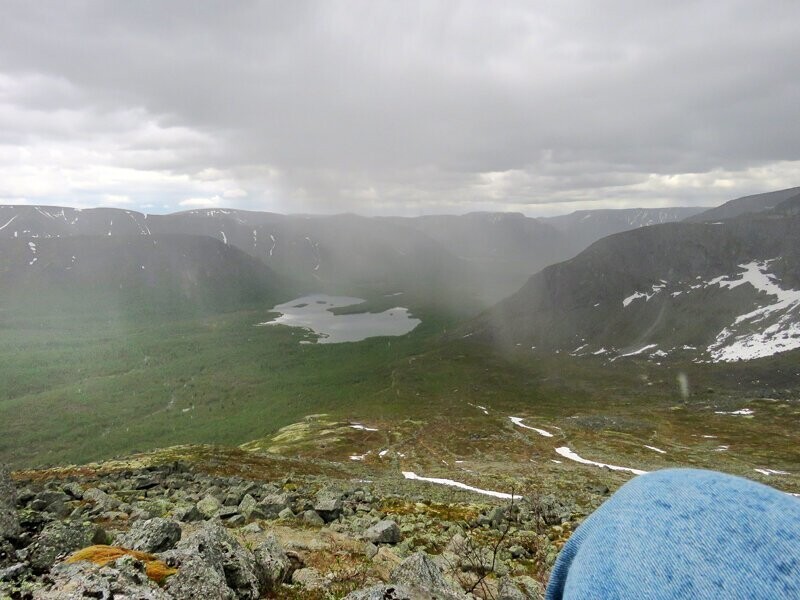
x=164, y=531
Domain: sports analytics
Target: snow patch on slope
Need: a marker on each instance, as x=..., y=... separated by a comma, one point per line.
x=457, y=484
x=567, y=453
x=744, y=339
x=636, y=295
x=518, y=421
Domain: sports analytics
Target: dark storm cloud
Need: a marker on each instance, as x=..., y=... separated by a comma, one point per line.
x=399, y=107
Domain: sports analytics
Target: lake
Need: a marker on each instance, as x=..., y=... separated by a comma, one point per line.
x=313, y=313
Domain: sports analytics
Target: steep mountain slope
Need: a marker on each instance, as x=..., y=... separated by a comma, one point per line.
x=713, y=291
x=584, y=227
x=747, y=204
x=133, y=274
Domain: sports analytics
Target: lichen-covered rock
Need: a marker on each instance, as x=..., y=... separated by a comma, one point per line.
x=328, y=505
x=60, y=538
x=73, y=490
x=272, y=504
x=519, y=588
x=209, y=506
x=312, y=518
x=123, y=578
x=383, y=532
x=390, y=591
x=420, y=570
x=247, y=507
x=153, y=535
x=102, y=501
x=186, y=513
x=198, y=578
x=509, y=590
x=309, y=578
x=272, y=564
x=9, y=523
x=219, y=552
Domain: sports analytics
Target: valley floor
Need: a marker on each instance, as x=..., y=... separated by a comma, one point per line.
x=79, y=389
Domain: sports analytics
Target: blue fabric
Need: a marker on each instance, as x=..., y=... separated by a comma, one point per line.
x=684, y=533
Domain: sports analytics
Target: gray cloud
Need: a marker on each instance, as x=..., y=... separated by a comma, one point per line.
x=403, y=107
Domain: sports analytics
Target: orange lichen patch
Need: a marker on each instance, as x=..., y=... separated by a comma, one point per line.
x=158, y=571
x=155, y=569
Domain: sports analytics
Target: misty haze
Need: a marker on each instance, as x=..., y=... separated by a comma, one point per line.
x=382, y=301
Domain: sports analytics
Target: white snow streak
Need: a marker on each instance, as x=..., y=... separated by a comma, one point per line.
x=8, y=222
x=771, y=472
x=567, y=453
x=362, y=427
x=654, y=449
x=639, y=351
x=518, y=421
x=457, y=484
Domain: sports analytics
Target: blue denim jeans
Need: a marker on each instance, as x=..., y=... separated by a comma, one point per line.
x=684, y=533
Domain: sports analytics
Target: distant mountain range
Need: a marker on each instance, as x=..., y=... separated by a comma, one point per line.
x=720, y=291
x=134, y=275
x=475, y=259
x=583, y=227
x=747, y=204
x=673, y=282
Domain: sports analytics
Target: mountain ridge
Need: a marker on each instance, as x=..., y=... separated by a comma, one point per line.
x=672, y=288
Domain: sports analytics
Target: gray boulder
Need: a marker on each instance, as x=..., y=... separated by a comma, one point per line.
x=386, y=591
x=209, y=506
x=370, y=550
x=102, y=501
x=272, y=504
x=328, y=505
x=519, y=588
x=248, y=508
x=509, y=590
x=186, y=513
x=312, y=518
x=309, y=578
x=123, y=578
x=217, y=551
x=420, y=570
x=15, y=571
x=73, y=490
x=198, y=578
x=272, y=565
x=9, y=523
x=60, y=538
x=383, y=532
x=153, y=535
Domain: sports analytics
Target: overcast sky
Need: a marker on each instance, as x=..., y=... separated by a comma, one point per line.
x=397, y=107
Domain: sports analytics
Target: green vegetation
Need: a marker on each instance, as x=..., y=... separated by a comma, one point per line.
x=79, y=386
x=86, y=385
